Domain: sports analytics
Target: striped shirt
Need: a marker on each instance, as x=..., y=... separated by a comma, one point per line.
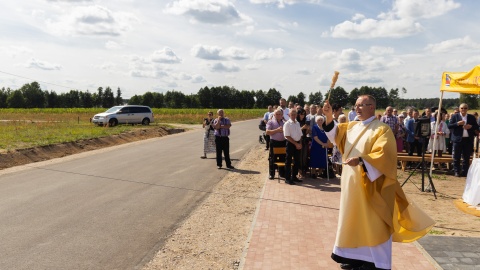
x=222, y=132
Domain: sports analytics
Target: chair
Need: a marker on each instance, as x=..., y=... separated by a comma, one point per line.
x=279, y=154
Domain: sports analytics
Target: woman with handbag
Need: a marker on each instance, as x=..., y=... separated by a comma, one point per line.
x=209, y=136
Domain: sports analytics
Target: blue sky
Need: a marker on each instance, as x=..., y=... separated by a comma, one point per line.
x=291, y=45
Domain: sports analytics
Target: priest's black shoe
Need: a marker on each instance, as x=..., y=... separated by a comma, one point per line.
x=349, y=266
x=290, y=182
x=295, y=179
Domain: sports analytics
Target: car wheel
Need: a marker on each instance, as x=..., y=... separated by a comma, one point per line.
x=146, y=121
x=113, y=122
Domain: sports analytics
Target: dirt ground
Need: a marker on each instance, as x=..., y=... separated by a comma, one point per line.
x=214, y=236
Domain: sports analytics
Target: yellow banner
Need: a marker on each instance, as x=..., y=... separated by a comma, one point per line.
x=462, y=82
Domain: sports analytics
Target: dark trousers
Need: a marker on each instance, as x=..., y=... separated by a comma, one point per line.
x=267, y=141
x=292, y=152
x=462, y=149
x=223, y=144
x=271, y=159
x=415, y=145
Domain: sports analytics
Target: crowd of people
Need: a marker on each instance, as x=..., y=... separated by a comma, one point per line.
x=311, y=154
x=322, y=141
x=358, y=148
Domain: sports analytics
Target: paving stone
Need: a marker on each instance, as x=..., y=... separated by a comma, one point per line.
x=453, y=252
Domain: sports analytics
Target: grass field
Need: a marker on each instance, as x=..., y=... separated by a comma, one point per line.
x=25, y=128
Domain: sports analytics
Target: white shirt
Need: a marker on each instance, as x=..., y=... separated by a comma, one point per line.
x=351, y=115
x=465, y=132
x=293, y=130
x=286, y=111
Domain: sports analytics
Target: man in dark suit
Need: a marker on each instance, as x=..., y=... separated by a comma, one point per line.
x=464, y=128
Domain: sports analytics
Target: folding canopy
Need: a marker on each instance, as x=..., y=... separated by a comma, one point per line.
x=460, y=82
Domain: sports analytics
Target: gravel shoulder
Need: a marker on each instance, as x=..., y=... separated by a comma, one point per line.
x=215, y=235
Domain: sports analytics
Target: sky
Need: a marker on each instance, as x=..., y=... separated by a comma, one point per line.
x=290, y=45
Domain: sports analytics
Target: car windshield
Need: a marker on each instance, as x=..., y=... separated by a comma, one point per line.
x=113, y=109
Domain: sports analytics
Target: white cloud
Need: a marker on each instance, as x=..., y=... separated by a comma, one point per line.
x=455, y=64
x=148, y=73
x=107, y=66
x=146, y=70
x=371, y=28
x=395, y=62
x=172, y=84
x=14, y=51
x=305, y=71
x=379, y=50
x=217, y=53
x=91, y=20
x=400, y=21
x=235, y=53
x=271, y=53
x=349, y=59
x=166, y=56
x=35, y=63
x=208, y=11
x=182, y=76
x=70, y=1
x=198, y=79
x=358, y=17
x=365, y=78
x=327, y=55
x=282, y=3
x=206, y=52
x=253, y=66
x=356, y=61
x=224, y=67
x=459, y=44
x=112, y=45
x=423, y=9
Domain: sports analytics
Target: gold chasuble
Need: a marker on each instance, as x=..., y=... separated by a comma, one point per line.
x=373, y=211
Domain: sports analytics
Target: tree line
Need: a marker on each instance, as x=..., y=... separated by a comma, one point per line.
x=32, y=96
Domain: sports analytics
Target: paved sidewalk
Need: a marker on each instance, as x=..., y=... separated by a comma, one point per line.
x=296, y=225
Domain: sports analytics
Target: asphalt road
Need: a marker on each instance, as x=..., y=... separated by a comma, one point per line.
x=111, y=208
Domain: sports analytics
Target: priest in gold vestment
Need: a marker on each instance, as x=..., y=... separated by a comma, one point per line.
x=374, y=210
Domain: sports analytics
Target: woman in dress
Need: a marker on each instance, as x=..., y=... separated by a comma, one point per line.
x=318, y=152
x=440, y=145
x=209, y=136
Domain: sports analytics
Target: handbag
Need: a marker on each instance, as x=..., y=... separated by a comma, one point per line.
x=262, y=125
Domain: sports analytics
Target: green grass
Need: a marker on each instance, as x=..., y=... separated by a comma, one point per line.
x=25, y=128
x=435, y=232
x=22, y=134
x=194, y=116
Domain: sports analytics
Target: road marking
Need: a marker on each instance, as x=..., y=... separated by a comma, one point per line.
x=237, y=151
x=179, y=171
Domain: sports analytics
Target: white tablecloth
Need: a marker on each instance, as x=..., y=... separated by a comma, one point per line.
x=471, y=195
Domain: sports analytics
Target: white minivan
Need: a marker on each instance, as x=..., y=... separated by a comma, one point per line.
x=128, y=114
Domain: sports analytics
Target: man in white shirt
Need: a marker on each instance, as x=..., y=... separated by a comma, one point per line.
x=293, y=133
x=352, y=114
x=283, y=106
